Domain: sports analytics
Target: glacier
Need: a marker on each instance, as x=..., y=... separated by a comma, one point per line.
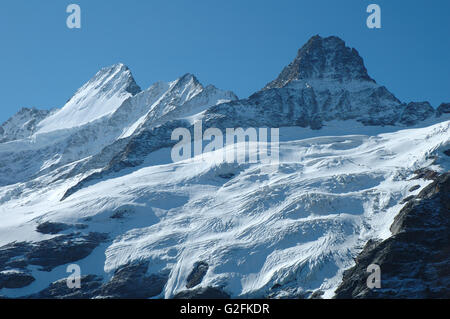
x=96, y=178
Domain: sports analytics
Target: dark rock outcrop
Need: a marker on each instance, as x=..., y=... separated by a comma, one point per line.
x=415, y=261
x=323, y=58
x=63, y=249
x=202, y=293
x=444, y=108
x=13, y=279
x=197, y=274
x=425, y=173
x=49, y=253
x=407, y=199
x=132, y=281
x=416, y=112
x=51, y=228
x=90, y=288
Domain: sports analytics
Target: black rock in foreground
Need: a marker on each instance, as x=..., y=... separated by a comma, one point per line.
x=415, y=261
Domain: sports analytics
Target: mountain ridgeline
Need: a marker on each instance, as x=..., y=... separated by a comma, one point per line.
x=326, y=81
x=93, y=183
x=110, y=123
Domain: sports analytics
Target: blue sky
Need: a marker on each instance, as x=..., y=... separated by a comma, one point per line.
x=237, y=45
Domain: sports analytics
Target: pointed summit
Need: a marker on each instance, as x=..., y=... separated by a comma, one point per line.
x=323, y=58
x=99, y=97
x=116, y=76
x=186, y=95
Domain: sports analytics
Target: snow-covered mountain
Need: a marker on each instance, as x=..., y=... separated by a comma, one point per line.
x=99, y=97
x=93, y=183
x=326, y=81
x=102, y=112
x=22, y=125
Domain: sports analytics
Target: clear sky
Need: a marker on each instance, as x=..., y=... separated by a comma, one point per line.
x=237, y=45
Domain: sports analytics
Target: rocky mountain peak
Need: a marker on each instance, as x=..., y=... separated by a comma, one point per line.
x=444, y=108
x=22, y=124
x=117, y=75
x=100, y=96
x=323, y=58
x=415, y=112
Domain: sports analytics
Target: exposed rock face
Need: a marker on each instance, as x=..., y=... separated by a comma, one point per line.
x=132, y=281
x=197, y=274
x=416, y=112
x=49, y=253
x=22, y=124
x=444, y=108
x=426, y=173
x=415, y=261
x=15, y=279
x=326, y=81
x=129, y=281
x=90, y=287
x=323, y=58
x=15, y=259
x=63, y=249
x=132, y=153
x=203, y=293
x=51, y=228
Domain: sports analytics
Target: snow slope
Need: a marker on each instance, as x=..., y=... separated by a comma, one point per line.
x=107, y=109
x=281, y=233
x=101, y=96
x=101, y=165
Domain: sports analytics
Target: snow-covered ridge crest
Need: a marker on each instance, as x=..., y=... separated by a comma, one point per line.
x=102, y=112
x=326, y=82
x=101, y=96
x=23, y=124
x=186, y=97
